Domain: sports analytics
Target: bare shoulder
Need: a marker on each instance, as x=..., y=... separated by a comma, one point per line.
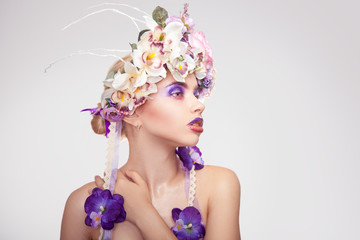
x=223, y=208
x=73, y=222
x=80, y=194
x=219, y=181
x=218, y=175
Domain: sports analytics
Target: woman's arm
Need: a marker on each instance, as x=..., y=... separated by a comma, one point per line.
x=224, y=206
x=139, y=208
x=152, y=226
x=73, y=222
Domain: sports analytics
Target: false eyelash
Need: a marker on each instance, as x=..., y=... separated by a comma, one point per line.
x=175, y=88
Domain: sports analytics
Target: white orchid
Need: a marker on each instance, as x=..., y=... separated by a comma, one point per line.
x=155, y=46
x=124, y=100
x=199, y=59
x=130, y=79
x=144, y=91
x=150, y=58
x=170, y=35
x=180, y=64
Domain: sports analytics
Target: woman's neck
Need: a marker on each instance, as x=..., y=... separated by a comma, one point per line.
x=155, y=161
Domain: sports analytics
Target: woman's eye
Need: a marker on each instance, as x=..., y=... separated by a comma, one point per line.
x=177, y=94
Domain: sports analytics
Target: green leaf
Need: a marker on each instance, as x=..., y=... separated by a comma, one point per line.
x=160, y=15
x=111, y=74
x=133, y=46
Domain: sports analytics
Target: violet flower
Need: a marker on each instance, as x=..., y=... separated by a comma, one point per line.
x=104, y=209
x=187, y=224
x=190, y=156
x=106, y=113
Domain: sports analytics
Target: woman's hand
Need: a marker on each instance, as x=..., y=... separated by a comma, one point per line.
x=135, y=192
x=138, y=205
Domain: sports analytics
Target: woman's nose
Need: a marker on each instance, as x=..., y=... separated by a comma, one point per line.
x=198, y=106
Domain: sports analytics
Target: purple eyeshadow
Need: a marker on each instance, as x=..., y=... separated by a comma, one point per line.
x=174, y=88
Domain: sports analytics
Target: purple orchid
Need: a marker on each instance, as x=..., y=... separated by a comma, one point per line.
x=187, y=224
x=109, y=113
x=104, y=209
x=190, y=156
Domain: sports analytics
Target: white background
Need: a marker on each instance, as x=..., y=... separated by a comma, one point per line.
x=284, y=115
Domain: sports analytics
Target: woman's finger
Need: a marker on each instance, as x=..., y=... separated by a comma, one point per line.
x=120, y=175
x=135, y=177
x=99, y=182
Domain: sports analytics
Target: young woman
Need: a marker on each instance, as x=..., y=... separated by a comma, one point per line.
x=157, y=183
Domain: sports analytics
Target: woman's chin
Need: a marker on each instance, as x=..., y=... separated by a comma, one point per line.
x=190, y=142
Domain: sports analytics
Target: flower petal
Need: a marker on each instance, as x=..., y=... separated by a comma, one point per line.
x=121, y=217
x=156, y=72
x=106, y=194
x=130, y=68
x=182, y=234
x=200, y=230
x=141, y=80
x=106, y=94
x=118, y=198
x=121, y=81
x=173, y=32
x=107, y=225
x=175, y=213
x=190, y=215
x=154, y=79
x=108, y=82
x=198, y=166
x=183, y=153
x=97, y=191
x=88, y=221
x=92, y=204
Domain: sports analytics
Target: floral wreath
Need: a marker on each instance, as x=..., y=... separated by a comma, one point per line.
x=167, y=43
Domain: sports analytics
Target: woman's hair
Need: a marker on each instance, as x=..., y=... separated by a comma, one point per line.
x=98, y=123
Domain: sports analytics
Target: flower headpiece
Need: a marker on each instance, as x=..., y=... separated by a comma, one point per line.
x=167, y=43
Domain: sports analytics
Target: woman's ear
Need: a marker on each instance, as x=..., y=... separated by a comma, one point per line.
x=133, y=120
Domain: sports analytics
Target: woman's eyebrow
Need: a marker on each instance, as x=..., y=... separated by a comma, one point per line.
x=182, y=84
x=178, y=83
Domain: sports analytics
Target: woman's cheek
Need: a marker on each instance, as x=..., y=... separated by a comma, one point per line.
x=160, y=116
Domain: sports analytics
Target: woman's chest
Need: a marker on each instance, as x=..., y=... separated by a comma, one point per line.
x=163, y=203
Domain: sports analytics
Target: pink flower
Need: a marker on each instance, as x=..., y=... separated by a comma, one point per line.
x=198, y=40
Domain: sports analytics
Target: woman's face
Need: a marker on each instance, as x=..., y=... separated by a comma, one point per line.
x=174, y=113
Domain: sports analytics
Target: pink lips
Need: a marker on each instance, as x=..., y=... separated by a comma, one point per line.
x=196, y=125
